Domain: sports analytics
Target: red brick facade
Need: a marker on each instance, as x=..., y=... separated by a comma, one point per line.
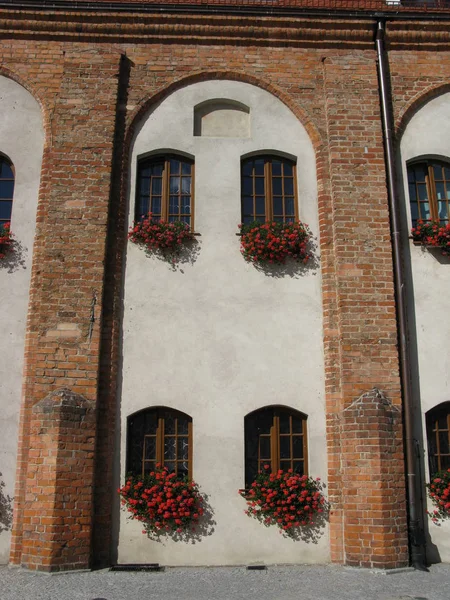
x=95, y=75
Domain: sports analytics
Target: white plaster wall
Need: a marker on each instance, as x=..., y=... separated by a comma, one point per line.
x=428, y=134
x=218, y=339
x=22, y=140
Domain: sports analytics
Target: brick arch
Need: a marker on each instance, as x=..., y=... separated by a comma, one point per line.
x=417, y=102
x=44, y=110
x=199, y=76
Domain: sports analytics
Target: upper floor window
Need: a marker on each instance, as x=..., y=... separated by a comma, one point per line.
x=165, y=188
x=429, y=191
x=438, y=437
x=268, y=190
x=6, y=190
x=275, y=436
x=159, y=436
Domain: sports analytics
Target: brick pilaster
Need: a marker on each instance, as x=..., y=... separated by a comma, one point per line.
x=63, y=333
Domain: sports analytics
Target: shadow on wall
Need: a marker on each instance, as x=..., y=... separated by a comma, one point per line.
x=292, y=268
x=15, y=259
x=187, y=255
x=204, y=528
x=6, y=511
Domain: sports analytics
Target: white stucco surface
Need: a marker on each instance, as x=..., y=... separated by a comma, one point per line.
x=218, y=339
x=22, y=141
x=428, y=135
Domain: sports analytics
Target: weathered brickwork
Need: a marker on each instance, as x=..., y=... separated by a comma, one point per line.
x=93, y=93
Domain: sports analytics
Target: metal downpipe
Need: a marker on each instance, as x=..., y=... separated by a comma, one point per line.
x=416, y=534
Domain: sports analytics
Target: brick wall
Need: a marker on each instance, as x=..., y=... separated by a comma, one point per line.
x=325, y=71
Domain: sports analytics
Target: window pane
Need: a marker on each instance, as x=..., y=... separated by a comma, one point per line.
x=414, y=211
x=442, y=211
x=150, y=447
x=437, y=170
x=277, y=205
x=276, y=167
x=157, y=169
x=247, y=168
x=169, y=448
x=186, y=185
x=174, y=166
x=425, y=211
x=264, y=448
x=289, y=206
x=182, y=469
x=247, y=186
x=285, y=446
x=412, y=192
x=173, y=204
x=5, y=210
x=156, y=205
x=174, y=186
x=444, y=442
x=144, y=186
x=186, y=168
x=185, y=204
x=297, y=424
x=260, y=203
x=277, y=187
x=299, y=467
x=289, y=187
x=420, y=172
x=247, y=206
x=284, y=420
x=183, y=447
x=183, y=425
x=259, y=166
x=149, y=466
x=287, y=168
x=447, y=173
x=423, y=193
x=259, y=186
x=6, y=171
x=169, y=423
x=6, y=188
x=297, y=444
x=171, y=465
x=440, y=191
x=156, y=186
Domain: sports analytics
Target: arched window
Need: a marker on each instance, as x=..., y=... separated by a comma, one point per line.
x=275, y=436
x=438, y=437
x=268, y=190
x=6, y=190
x=165, y=188
x=159, y=435
x=429, y=190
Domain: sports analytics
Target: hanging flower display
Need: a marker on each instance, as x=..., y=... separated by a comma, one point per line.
x=275, y=242
x=439, y=492
x=6, y=239
x=162, y=502
x=284, y=498
x=432, y=233
x=160, y=235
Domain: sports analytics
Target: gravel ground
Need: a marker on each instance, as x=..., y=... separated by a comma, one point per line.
x=229, y=583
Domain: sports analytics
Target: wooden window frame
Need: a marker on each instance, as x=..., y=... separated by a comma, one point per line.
x=275, y=436
x=430, y=183
x=433, y=437
x=165, y=191
x=160, y=436
x=4, y=159
x=268, y=186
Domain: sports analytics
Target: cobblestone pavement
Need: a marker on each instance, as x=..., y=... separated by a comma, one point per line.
x=229, y=583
